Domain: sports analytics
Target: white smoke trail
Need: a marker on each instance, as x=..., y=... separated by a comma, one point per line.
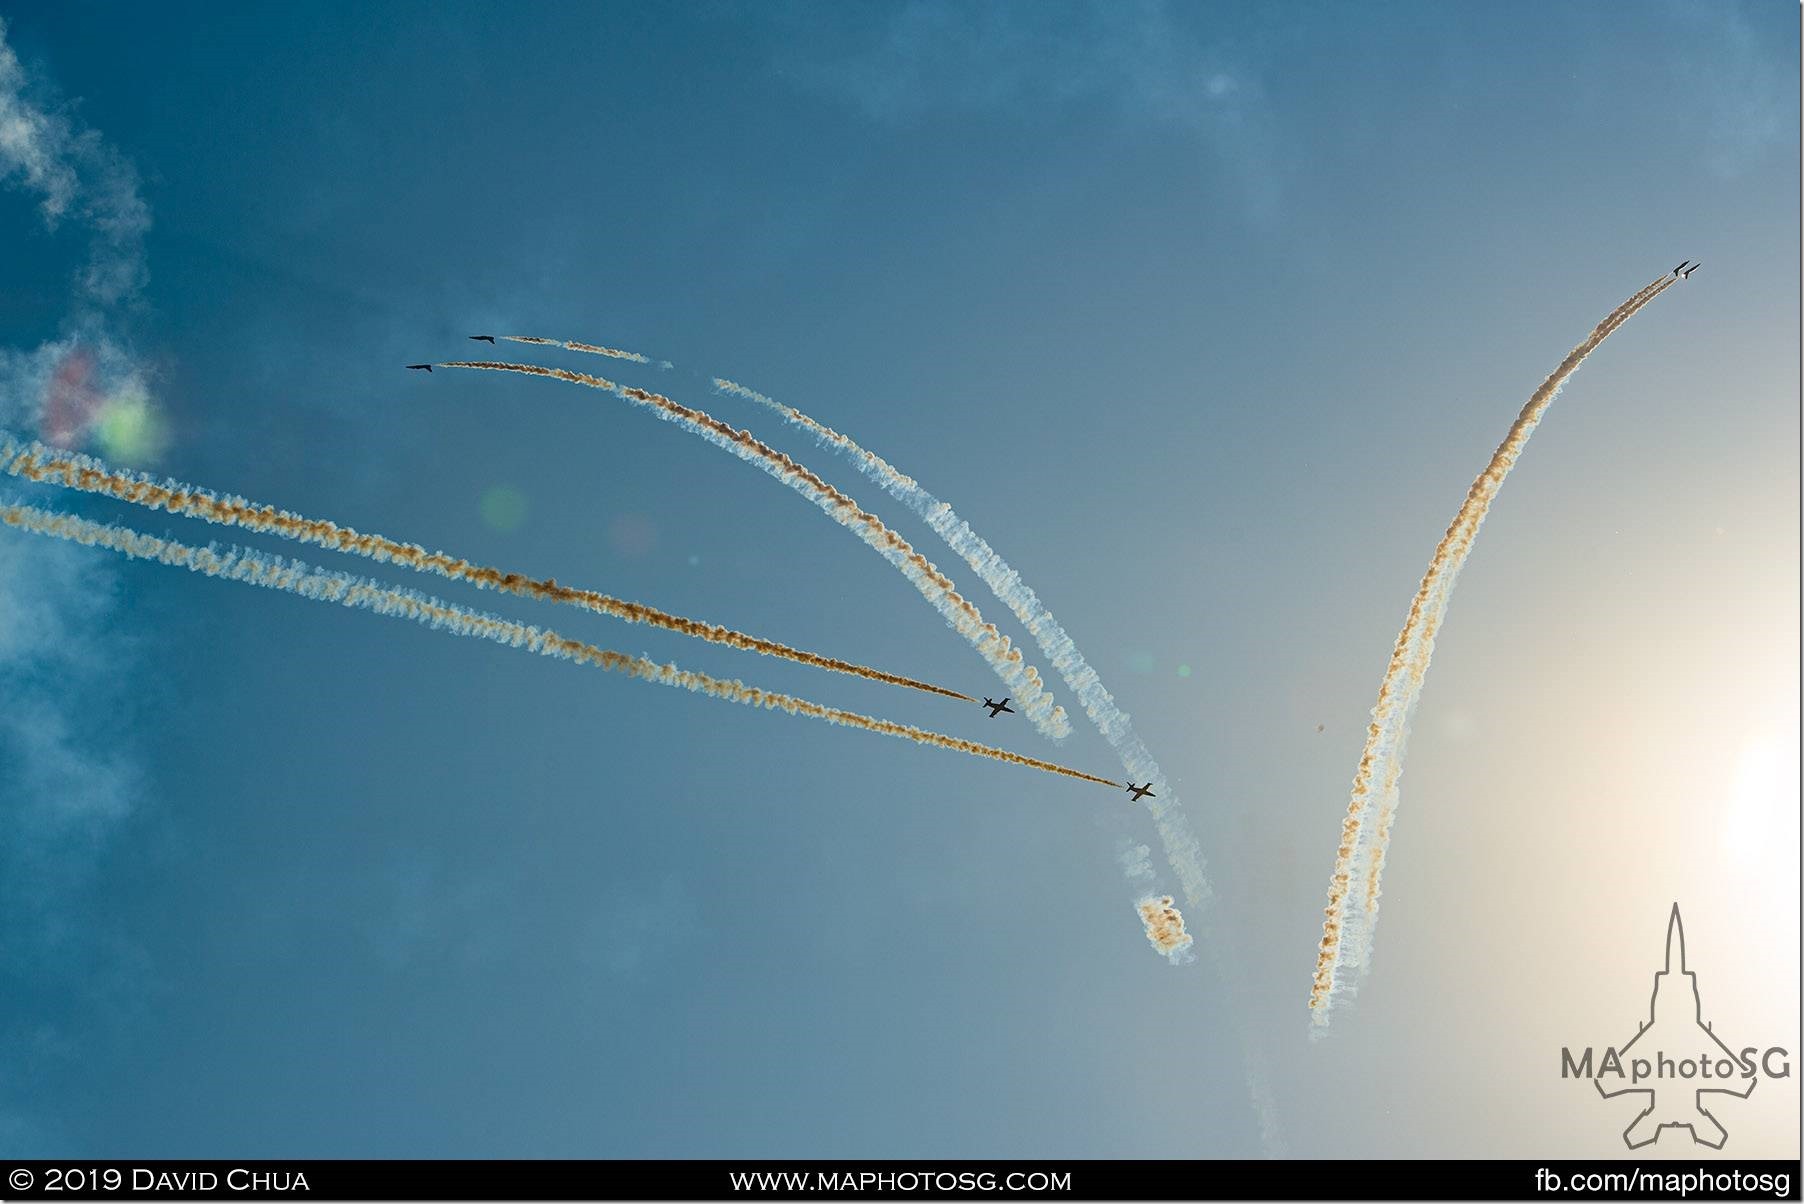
x=273, y=572
x=1182, y=850
x=632, y=357
x=1355, y=886
x=960, y=614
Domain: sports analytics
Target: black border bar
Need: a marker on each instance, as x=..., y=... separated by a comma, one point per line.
x=924, y=1179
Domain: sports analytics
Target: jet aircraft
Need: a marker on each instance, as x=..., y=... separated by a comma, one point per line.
x=419, y=367
x=1140, y=792
x=996, y=708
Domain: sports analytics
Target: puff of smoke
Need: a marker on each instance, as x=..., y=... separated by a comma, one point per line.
x=1164, y=924
x=1165, y=928
x=1136, y=862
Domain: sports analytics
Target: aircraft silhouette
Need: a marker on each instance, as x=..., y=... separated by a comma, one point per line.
x=1140, y=792
x=1675, y=1016
x=996, y=708
x=419, y=367
x=1686, y=274
x=484, y=338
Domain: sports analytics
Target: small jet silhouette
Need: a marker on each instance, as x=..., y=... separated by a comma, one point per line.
x=484, y=338
x=996, y=708
x=1686, y=274
x=1140, y=792
x=419, y=367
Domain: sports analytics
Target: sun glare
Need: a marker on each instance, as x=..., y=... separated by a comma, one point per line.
x=1759, y=828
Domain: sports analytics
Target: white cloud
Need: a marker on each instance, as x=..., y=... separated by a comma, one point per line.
x=70, y=778
x=77, y=176
x=56, y=603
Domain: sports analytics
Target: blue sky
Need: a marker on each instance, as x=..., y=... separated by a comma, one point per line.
x=1205, y=316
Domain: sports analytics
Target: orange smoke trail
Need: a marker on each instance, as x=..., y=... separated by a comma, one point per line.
x=1359, y=860
x=963, y=616
x=273, y=572
x=35, y=462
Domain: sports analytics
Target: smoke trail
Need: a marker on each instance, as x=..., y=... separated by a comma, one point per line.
x=1022, y=679
x=273, y=572
x=1182, y=850
x=1415, y=645
x=35, y=462
x=569, y=345
x=1164, y=926
x=1354, y=888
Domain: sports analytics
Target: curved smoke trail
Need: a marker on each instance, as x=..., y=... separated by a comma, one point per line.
x=1355, y=886
x=34, y=462
x=273, y=572
x=1182, y=849
x=1022, y=678
x=632, y=357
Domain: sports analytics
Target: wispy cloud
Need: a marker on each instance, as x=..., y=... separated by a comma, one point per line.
x=71, y=781
x=54, y=606
x=77, y=177
x=87, y=384
x=933, y=58
x=1748, y=93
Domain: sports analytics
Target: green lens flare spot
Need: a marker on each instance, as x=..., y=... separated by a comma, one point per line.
x=503, y=507
x=129, y=428
x=1183, y=670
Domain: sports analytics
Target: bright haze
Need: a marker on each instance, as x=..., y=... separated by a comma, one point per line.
x=1205, y=318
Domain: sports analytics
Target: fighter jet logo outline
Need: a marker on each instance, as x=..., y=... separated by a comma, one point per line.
x=1663, y=1108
